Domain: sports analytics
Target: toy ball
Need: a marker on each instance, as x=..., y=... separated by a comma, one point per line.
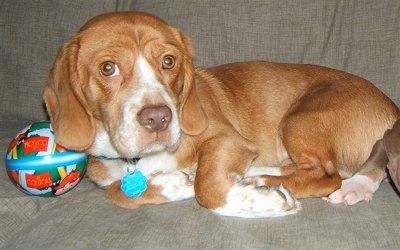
x=37, y=165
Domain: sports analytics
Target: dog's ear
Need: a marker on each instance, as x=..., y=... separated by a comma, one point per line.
x=191, y=114
x=71, y=121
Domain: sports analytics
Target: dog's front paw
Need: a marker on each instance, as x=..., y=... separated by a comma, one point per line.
x=355, y=189
x=175, y=185
x=250, y=201
x=114, y=193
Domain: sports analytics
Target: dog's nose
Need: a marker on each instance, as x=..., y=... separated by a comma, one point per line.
x=155, y=118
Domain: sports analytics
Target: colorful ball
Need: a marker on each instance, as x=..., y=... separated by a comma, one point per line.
x=37, y=165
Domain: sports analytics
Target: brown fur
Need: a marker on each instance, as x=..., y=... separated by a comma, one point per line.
x=318, y=124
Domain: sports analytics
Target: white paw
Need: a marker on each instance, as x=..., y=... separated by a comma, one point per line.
x=249, y=201
x=355, y=189
x=175, y=185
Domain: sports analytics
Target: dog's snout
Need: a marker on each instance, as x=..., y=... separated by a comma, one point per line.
x=155, y=118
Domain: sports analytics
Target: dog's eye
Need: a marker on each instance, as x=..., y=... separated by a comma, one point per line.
x=168, y=62
x=109, y=69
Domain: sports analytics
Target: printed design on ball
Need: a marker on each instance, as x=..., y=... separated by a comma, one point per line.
x=44, y=167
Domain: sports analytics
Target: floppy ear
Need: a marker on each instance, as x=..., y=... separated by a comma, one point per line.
x=391, y=141
x=71, y=121
x=191, y=114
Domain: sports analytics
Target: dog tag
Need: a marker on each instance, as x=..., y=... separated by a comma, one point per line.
x=134, y=183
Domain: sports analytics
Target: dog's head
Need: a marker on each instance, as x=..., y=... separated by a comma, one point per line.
x=123, y=87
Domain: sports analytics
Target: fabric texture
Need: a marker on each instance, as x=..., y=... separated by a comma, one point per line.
x=362, y=37
x=32, y=32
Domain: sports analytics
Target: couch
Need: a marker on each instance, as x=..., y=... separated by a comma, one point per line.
x=361, y=37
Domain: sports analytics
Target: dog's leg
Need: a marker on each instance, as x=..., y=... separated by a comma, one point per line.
x=218, y=183
x=362, y=185
x=165, y=183
x=318, y=134
x=161, y=188
x=311, y=171
x=303, y=180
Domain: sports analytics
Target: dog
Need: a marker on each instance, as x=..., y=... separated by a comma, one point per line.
x=246, y=139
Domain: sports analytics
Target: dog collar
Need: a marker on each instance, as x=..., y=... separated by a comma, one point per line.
x=129, y=160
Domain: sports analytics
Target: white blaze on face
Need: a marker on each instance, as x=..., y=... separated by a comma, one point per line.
x=147, y=76
x=131, y=137
x=125, y=137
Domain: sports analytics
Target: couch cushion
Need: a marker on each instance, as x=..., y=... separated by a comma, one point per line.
x=361, y=37
x=31, y=32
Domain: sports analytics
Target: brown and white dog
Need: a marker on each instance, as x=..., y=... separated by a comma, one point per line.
x=124, y=87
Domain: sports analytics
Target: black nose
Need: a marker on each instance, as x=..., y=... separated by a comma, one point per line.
x=155, y=118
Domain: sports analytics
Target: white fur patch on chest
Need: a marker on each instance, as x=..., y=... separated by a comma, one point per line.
x=161, y=162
